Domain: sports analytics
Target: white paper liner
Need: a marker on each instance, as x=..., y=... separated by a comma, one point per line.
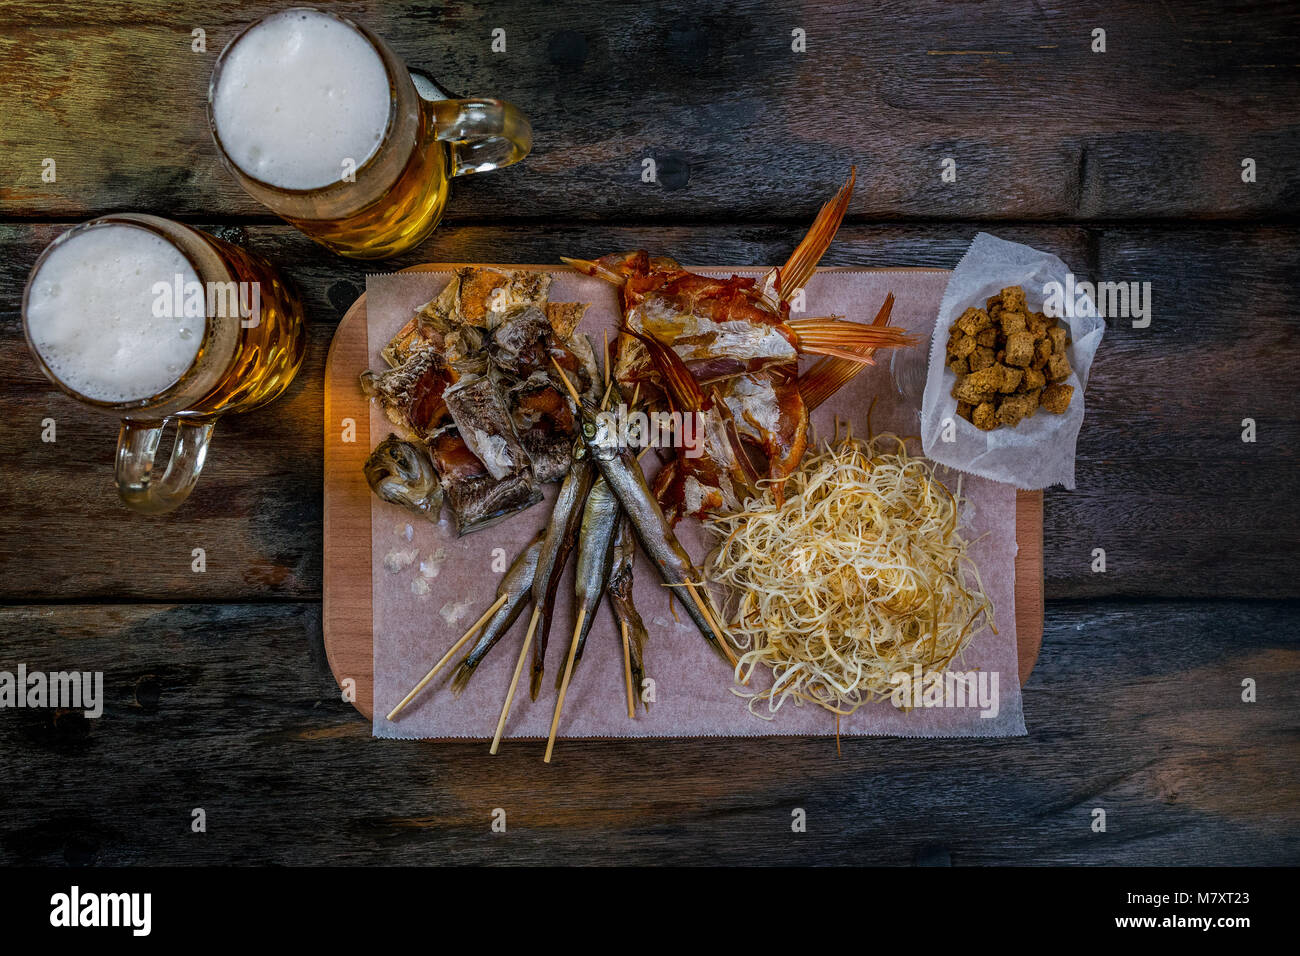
x=1040, y=450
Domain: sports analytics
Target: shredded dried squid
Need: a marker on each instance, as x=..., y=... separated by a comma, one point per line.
x=861, y=573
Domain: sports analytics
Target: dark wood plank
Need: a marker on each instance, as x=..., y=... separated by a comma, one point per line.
x=1165, y=480
x=1165, y=485
x=1134, y=708
x=742, y=127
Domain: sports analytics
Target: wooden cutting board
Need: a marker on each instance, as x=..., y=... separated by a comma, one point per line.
x=347, y=612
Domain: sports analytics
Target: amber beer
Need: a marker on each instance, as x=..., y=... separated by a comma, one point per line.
x=321, y=122
x=159, y=323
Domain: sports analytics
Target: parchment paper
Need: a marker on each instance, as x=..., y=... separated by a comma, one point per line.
x=1040, y=450
x=692, y=696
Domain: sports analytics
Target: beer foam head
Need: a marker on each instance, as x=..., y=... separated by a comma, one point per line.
x=299, y=96
x=101, y=313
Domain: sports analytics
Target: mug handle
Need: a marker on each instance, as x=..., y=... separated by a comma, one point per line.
x=481, y=134
x=137, y=447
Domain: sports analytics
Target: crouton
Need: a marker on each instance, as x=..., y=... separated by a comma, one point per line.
x=1010, y=379
x=959, y=367
x=1011, y=322
x=993, y=302
x=965, y=345
x=1042, y=352
x=984, y=417
x=1058, y=337
x=1058, y=368
x=1056, y=398
x=988, y=338
x=1015, y=408
x=973, y=321
x=1039, y=324
x=964, y=409
x=1033, y=379
x=978, y=386
x=1013, y=299
x=1020, y=349
x=980, y=358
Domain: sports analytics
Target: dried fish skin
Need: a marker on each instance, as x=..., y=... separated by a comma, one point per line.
x=482, y=291
x=480, y=414
x=545, y=424
x=477, y=500
x=401, y=473
x=411, y=395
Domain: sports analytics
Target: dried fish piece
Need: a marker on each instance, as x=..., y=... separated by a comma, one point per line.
x=412, y=394
x=477, y=500
x=523, y=341
x=516, y=587
x=565, y=316
x=401, y=473
x=544, y=423
x=482, y=290
x=596, y=536
x=484, y=423
x=770, y=414
x=619, y=591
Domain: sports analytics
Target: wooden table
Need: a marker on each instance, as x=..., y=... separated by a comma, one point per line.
x=1127, y=164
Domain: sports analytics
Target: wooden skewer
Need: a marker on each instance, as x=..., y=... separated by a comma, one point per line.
x=627, y=670
x=514, y=681
x=717, y=631
x=607, y=360
x=564, y=684
x=446, y=657
x=565, y=379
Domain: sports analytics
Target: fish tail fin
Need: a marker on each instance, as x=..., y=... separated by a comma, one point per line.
x=798, y=269
x=829, y=375
x=847, y=340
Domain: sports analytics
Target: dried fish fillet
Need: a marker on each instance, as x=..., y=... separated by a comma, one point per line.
x=477, y=500
x=411, y=395
x=484, y=423
x=481, y=291
x=544, y=423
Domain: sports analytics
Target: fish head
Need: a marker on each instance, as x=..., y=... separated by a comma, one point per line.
x=401, y=473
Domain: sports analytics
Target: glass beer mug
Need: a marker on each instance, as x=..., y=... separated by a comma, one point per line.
x=321, y=122
x=159, y=323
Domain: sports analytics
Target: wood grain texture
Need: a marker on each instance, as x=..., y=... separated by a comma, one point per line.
x=219, y=691
x=741, y=126
x=1135, y=707
x=347, y=606
x=1182, y=507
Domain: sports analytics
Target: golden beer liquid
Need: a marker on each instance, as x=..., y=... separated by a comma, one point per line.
x=267, y=355
x=399, y=219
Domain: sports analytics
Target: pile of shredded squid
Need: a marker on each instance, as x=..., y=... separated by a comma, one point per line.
x=859, y=574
